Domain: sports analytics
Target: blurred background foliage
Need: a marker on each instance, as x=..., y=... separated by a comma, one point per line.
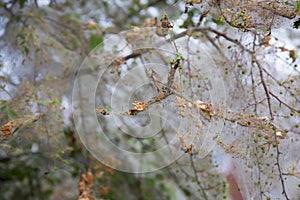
x=43, y=43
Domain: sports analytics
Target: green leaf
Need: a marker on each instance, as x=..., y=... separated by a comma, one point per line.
x=4, y=106
x=12, y=113
x=298, y=5
x=297, y=23
x=149, y=181
x=108, y=108
x=22, y=3
x=178, y=58
x=26, y=50
x=218, y=21
x=55, y=101
x=94, y=41
x=186, y=192
x=21, y=35
x=159, y=177
x=52, y=102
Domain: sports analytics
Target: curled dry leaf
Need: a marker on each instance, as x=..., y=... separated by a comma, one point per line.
x=103, y=191
x=140, y=106
x=162, y=29
x=189, y=150
x=266, y=40
x=132, y=112
x=81, y=186
x=293, y=54
x=205, y=108
x=86, y=185
x=165, y=23
x=90, y=25
x=7, y=130
x=102, y=111
x=90, y=177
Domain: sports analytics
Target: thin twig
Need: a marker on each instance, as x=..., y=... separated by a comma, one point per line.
x=197, y=178
x=267, y=92
x=266, y=89
x=282, y=102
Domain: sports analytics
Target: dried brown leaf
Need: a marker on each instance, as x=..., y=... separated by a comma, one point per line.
x=84, y=177
x=103, y=191
x=81, y=186
x=165, y=23
x=90, y=25
x=90, y=177
x=7, y=129
x=102, y=111
x=132, y=112
x=293, y=54
x=266, y=41
x=189, y=150
x=205, y=108
x=140, y=106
